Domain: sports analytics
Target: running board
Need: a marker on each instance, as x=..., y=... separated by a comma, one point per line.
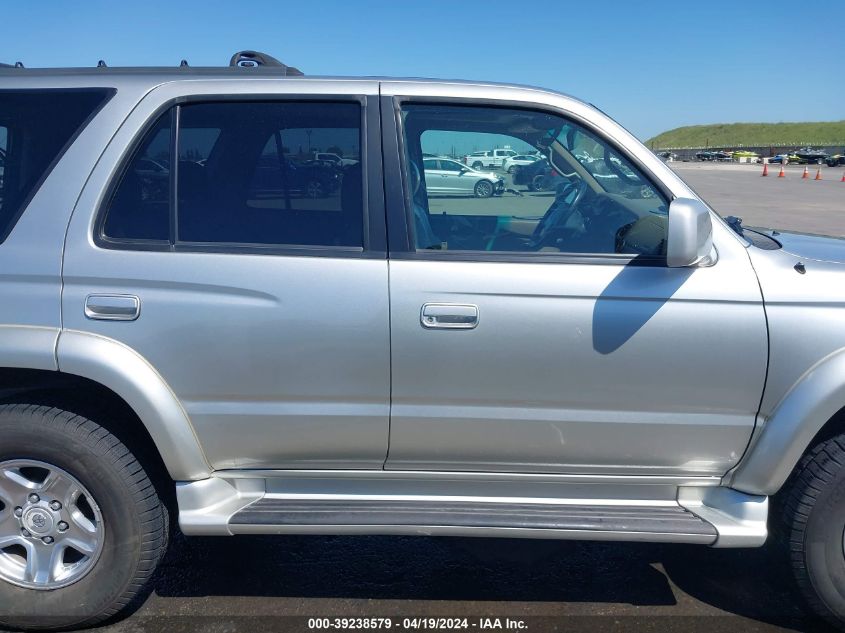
x=300, y=504
x=670, y=523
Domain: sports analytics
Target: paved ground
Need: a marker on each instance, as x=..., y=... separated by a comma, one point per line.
x=789, y=203
x=264, y=583
x=277, y=583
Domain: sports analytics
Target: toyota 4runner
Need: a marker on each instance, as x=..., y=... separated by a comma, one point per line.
x=190, y=330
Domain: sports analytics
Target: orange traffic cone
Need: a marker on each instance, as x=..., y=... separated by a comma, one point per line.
x=766, y=169
x=818, y=174
x=843, y=177
x=806, y=173
x=782, y=173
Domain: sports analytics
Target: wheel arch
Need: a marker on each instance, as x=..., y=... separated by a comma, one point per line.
x=125, y=373
x=812, y=411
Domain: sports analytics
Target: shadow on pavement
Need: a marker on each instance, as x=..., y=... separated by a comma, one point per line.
x=748, y=583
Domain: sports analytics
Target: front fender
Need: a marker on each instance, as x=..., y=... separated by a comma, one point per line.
x=785, y=435
x=129, y=375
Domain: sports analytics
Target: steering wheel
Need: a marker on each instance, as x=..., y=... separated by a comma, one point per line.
x=560, y=211
x=415, y=177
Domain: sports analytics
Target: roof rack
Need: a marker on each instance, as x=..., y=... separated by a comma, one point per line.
x=254, y=59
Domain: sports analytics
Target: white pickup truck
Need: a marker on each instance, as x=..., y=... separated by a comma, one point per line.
x=488, y=159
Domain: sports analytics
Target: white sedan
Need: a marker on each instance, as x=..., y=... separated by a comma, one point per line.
x=450, y=177
x=512, y=163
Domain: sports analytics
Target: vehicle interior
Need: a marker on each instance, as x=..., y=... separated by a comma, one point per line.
x=237, y=184
x=602, y=204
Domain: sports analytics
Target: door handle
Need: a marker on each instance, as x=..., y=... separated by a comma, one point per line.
x=112, y=307
x=449, y=316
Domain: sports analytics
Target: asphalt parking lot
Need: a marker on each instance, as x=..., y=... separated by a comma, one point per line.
x=790, y=203
x=276, y=583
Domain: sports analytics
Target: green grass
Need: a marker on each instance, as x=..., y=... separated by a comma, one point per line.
x=751, y=134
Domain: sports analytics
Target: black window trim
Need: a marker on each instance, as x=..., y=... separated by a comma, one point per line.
x=400, y=242
x=107, y=94
x=374, y=220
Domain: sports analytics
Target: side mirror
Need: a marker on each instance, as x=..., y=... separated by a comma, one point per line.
x=690, y=239
x=463, y=171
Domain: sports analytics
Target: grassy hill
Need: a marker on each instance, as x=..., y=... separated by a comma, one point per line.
x=759, y=134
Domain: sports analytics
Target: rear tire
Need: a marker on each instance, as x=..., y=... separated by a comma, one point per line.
x=814, y=517
x=477, y=165
x=130, y=517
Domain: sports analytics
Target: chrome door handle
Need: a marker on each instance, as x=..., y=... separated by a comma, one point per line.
x=449, y=316
x=112, y=307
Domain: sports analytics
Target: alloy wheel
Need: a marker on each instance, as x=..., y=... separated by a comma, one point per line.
x=51, y=529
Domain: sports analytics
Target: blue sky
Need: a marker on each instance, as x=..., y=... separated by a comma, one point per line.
x=652, y=65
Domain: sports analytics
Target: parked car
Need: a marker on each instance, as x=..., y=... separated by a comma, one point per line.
x=313, y=178
x=717, y=155
x=488, y=159
x=810, y=155
x=539, y=176
x=836, y=159
x=779, y=158
x=667, y=156
x=746, y=156
x=449, y=177
x=621, y=365
x=334, y=159
x=513, y=163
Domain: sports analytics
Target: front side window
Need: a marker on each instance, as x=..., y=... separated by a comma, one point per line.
x=577, y=195
x=246, y=173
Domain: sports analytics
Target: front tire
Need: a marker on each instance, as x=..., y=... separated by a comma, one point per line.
x=483, y=189
x=65, y=479
x=814, y=517
x=538, y=183
x=314, y=189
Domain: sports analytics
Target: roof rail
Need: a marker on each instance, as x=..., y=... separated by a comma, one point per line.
x=254, y=59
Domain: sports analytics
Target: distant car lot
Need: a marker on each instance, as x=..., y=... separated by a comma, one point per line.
x=789, y=203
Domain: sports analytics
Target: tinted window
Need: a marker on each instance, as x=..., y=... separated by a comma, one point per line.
x=583, y=196
x=247, y=174
x=260, y=183
x=4, y=136
x=35, y=128
x=140, y=207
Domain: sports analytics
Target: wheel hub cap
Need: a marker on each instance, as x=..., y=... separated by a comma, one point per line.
x=37, y=521
x=51, y=529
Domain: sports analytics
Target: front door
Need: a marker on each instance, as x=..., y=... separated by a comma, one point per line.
x=546, y=334
x=261, y=293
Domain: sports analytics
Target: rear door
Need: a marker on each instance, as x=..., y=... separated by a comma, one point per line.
x=544, y=332
x=253, y=279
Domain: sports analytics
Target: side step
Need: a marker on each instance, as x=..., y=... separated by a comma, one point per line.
x=668, y=523
x=657, y=509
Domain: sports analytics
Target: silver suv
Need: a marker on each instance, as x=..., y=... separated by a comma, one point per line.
x=199, y=321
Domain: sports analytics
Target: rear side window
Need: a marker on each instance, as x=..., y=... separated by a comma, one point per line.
x=245, y=173
x=36, y=126
x=140, y=209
